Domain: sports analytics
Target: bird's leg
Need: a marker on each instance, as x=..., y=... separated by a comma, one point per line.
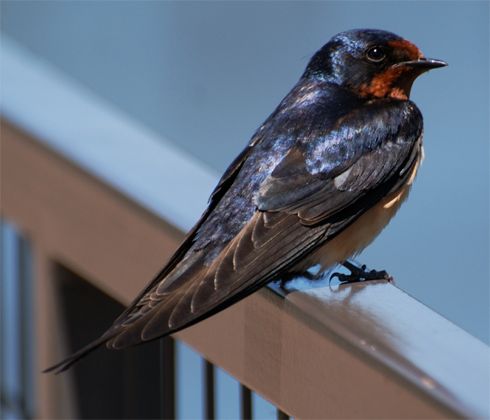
x=360, y=274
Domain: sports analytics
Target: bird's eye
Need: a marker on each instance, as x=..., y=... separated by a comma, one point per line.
x=375, y=54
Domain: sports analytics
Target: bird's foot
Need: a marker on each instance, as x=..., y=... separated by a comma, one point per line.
x=361, y=274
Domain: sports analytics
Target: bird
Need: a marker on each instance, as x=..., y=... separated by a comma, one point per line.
x=317, y=183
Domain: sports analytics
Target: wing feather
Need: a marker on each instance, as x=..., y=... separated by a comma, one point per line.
x=288, y=224
x=296, y=196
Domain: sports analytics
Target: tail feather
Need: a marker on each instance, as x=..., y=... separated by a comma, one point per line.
x=75, y=357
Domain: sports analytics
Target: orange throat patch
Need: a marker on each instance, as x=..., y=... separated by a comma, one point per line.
x=390, y=84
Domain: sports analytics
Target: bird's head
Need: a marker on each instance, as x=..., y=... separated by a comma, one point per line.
x=371, y=62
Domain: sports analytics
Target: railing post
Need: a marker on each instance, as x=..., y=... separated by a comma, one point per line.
x=246, y=402
x=209, y=412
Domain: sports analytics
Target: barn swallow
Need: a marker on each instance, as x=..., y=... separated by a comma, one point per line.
x=318, y=181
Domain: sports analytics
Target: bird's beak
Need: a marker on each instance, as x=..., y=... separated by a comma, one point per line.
x=423, y=64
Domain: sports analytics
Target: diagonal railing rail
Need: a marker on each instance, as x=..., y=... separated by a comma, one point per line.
x=99, y=194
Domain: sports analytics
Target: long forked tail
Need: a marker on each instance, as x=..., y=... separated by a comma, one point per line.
x=80, y=354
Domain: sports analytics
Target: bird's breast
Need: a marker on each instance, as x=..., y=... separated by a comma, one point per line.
x=352, y=241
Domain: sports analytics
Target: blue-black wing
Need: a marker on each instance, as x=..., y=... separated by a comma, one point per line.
x=298, y=206
x=287, y=194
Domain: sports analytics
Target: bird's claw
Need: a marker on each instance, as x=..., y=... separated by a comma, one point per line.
x=361, y=274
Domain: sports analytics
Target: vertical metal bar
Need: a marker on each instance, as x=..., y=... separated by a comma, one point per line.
x=245, y=403
x=281, y=415
x=24, y=315
x=167, y=377
x=20, y=333
x=208, y=390
x=9, y=330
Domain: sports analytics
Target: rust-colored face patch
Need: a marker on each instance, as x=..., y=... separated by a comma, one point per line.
x=412, y=49
x=395, y=82
x=385, y=85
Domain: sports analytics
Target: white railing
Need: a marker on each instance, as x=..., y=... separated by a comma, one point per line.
x=103, y=195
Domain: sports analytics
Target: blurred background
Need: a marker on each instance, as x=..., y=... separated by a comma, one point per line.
x=206, y=74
